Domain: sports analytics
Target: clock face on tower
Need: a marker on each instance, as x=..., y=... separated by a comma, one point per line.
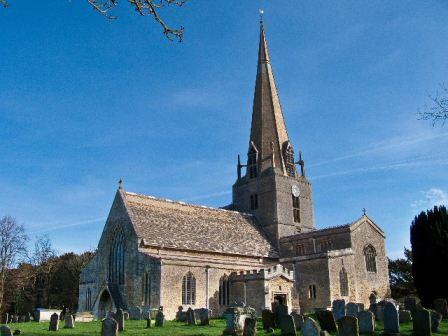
x=295, y=190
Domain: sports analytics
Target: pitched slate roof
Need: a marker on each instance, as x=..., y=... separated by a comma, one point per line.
x=178, y=225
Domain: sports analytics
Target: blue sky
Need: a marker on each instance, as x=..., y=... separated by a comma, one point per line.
x=85, y=101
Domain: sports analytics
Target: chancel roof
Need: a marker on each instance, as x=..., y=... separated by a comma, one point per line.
x=177, y=225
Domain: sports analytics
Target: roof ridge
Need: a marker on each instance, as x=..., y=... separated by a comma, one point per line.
x=186, y=204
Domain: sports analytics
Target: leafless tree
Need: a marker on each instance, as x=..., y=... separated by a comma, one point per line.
x=437, y=111
x=12, y=248
x=150, y=8
x=43, y=251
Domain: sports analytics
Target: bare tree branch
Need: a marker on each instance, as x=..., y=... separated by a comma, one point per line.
x=437, y=111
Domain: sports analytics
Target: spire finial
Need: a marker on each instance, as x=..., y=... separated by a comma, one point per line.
x=261, y=11
x=120, y=183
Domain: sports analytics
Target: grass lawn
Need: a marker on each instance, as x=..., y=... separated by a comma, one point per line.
x=137, y=328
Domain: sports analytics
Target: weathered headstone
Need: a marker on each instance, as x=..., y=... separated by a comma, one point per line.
x=352, y=309
x=69, y=321
x=235, y=317
x=160, y=319
x=54, y=322
x=287, y=326
x=191, y=318
x=298, y=320
x=348, y=326
x=109, y=327
x=310, y=327
x=28, y=317
x=279, y=311
x=404, y=316
x=181, y=316
x=5, y=318
x=148, y=321
x=436, y=318
x=250, y=327
x=15, y=319
x=204, y=317
x=421, y=321
x=5, y=331
x=326, y=320
x=125, y=315
x=366, y=322
x=410, y=303
x=267, y=317
x=338, y=309
x=391, y=320
x=119, y=317
x=441, y=306
x=135, y=313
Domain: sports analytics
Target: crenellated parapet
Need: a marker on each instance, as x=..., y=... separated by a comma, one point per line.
x=263, y=274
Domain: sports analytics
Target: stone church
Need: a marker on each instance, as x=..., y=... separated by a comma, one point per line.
x=261, y=250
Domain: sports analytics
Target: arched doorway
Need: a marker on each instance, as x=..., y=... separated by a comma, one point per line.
x=105, y=304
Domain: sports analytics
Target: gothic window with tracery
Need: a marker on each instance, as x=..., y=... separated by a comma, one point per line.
x=188, y=289
x=116, y=257
x=224, y=291
x=343, y=282
x=370, y=257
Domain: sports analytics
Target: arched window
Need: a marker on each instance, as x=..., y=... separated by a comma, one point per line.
x=224, y=291
x=146, y=289
x=252, y=160
x=188, y=289
x=312, y=293
x=116, y=257
x=288, y=154
x=343, y=282
x=370, y=257
x=88, y=304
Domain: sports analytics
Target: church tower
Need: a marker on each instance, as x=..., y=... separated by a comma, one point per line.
x=272, y=188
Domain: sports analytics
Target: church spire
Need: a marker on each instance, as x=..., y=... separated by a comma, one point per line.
x=268, y=137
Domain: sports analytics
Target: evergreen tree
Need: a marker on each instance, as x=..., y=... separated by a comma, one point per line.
x=429, y=240
x=400, y=275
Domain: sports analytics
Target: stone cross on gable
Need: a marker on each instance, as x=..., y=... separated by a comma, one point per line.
x=364, y=211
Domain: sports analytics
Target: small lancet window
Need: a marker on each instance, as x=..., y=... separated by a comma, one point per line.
x=343, y=282
x=370, y=257
x=188, y=289
x=253, y=201
x=88, y=304
x=312, y=294
x=252, y=161
x=296, y=208
x=288, y=154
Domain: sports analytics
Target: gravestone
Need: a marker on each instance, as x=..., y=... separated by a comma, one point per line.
x=267, y=318
x=148, y=321
x=119, y=317
x=191, y=318
x=250, y=327
x=5, y=331
x=5, y=319
x=181, y=316
x=421, y=321
x=391, y=320
x=287, y=326
x=160, y=319
x=366, y=322
x=298, y=320
x=125, y=315
x=326, y=320
x=348, y=326
x=69, y=321
x=310, y=327
x=338, y=309
x=378, y=311
x=204, y=317
x=54, y=322
x=436, y=318
x=373, y=298
x=235, y=317
x=109, y=327
x=14, y=318
x=135, y=313
x=410, y=303
x=28, y=317
x=279, y=312
x=441, y=306
x=404, y=316
x=352, y=309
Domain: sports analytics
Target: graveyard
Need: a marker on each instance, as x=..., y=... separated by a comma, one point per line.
x=138, y=328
